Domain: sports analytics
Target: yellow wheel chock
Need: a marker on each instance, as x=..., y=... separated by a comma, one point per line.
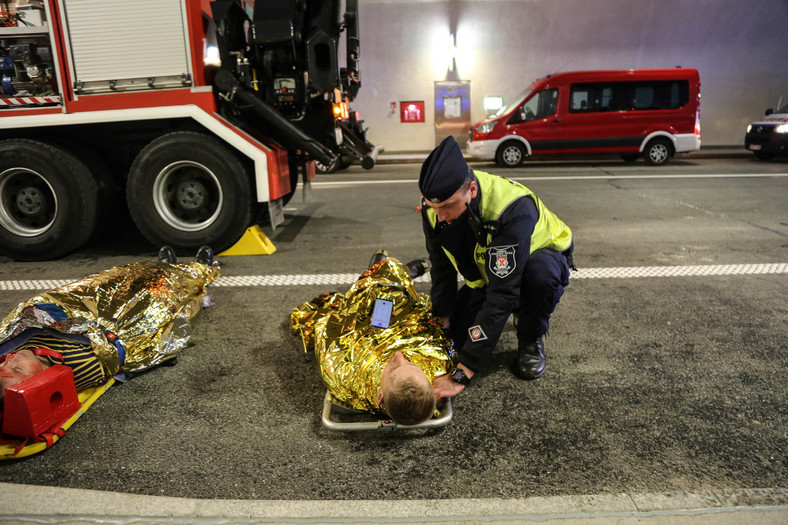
x=252, y=242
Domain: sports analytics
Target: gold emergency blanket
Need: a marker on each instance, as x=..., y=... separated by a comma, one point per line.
x=148, y=306
x=352, y=353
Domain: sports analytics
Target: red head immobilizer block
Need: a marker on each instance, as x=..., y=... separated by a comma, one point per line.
x=39, y=402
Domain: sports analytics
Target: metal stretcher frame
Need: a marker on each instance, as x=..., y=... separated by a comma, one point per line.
x=444, y=409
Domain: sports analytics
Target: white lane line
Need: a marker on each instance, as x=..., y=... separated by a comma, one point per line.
x=680, y=271
x=33, y=284
x=620, y=272
x=342, y=184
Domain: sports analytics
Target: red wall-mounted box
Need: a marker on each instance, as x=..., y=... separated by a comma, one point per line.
x=411, y=111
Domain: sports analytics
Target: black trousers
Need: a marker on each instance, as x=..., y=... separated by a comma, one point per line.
x=544, y=278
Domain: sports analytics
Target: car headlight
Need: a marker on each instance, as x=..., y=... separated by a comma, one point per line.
x=749, y=127
x=487, y=127
x=782, y=128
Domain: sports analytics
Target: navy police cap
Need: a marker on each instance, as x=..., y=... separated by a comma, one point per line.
x=443, y=171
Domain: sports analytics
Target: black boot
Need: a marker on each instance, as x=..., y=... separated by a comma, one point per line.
x=530, y=363
x=167, y=255
x=377, y=257
x=204, y=255
x=418, y=267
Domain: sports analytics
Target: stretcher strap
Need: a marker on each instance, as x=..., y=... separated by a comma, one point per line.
x=49, y=437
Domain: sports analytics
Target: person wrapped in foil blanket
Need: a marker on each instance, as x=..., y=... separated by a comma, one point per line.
x=117, y=322
x=378, y=368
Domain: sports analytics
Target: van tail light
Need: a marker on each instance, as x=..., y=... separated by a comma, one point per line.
x=697, y=122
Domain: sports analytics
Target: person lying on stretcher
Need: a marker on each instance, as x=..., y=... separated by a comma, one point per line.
x=378, y=346
x=123, y=320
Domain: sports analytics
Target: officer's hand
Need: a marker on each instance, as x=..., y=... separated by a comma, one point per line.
x=446, y=322
x=444, y=386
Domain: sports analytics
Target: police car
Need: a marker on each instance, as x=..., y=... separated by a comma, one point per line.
x=768, y=137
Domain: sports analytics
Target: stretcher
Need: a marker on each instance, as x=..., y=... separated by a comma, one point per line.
x=339, y=417
x=13, y=447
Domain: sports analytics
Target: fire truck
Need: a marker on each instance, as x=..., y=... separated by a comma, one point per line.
x=197, y=118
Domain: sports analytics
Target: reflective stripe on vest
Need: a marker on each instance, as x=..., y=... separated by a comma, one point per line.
x=497, y=193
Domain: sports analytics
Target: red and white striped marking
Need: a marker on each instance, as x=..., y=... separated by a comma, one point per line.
x=29, y=101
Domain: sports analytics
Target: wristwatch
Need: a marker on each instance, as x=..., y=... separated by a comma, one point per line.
x=458, y=376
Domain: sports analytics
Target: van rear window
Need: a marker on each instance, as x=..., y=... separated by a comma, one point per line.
x=628, y=96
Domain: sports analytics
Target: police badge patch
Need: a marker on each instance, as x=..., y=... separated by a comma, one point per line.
x=476, y=333
x=502, y=260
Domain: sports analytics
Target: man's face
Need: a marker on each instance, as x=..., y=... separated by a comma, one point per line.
x=450, y=210
x=19, y=366
x=397, y=370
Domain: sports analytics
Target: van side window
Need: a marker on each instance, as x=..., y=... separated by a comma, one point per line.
x=628, y=96
x=540, y=106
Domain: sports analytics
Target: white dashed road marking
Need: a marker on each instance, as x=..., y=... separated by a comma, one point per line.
x=349, y=278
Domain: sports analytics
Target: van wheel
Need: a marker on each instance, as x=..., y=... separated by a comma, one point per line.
x=187, y=189
x=510, y=154
x=48, y=201
x=658, y=152
x=760, y=155
x=342, y=163
x=324, y=168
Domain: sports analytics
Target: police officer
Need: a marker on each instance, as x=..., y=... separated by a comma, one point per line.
x=513, y=253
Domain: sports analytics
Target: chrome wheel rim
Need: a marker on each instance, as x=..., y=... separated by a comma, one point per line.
x=188, y=196
x=658, y=153
x=28, y=203
x=512, y=155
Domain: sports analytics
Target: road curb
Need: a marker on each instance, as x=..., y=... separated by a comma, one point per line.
x=29, y=503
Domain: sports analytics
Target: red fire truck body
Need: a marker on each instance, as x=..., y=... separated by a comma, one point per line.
x=106, y=100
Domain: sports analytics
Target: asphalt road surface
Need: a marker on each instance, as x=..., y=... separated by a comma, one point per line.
x=666, y=356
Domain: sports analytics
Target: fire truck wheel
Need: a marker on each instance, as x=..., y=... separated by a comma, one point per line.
x=510, y=154
x=109, y=216
x=48, y=201
x=186, y=189
x=658, y=152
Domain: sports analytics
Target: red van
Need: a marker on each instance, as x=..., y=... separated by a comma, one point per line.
x=653, y=113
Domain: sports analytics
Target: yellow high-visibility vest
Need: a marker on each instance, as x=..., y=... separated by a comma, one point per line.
x=497, y=193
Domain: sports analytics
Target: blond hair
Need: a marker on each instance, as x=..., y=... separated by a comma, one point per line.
x=411, y=403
